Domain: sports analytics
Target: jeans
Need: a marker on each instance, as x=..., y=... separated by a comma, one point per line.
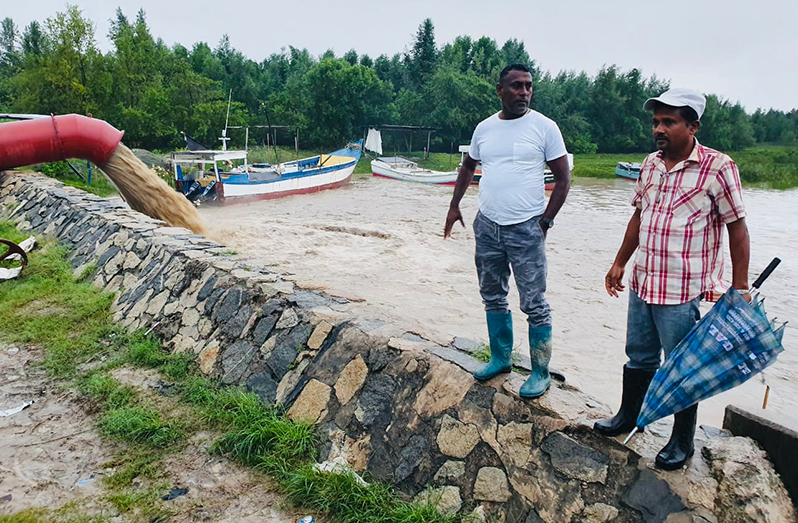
x=521, y=246
x=652, y=329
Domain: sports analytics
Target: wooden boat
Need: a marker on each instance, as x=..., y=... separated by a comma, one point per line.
x=226, y=177
x=406, y=170
x=628, y=170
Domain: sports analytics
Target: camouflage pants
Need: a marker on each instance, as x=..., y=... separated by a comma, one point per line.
x=522, y=247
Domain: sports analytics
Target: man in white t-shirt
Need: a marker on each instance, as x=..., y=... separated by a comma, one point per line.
x=514, y=146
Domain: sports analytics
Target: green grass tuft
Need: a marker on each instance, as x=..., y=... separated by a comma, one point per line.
x=141, y=426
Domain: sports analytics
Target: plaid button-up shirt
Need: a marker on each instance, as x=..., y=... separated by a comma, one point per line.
x=683, y=212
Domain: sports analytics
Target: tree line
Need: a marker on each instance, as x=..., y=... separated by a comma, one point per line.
x=154, y=91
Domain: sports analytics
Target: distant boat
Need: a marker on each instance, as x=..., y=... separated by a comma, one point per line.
x=406, y=170
x=628, y=170
x=226, y=177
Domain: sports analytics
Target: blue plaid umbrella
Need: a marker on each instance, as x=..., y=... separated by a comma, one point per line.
x=727, y=347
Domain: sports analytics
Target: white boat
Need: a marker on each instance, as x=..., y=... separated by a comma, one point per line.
x=400, y=168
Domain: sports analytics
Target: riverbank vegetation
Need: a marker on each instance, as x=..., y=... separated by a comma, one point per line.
x=155, y=92
x=51, y=307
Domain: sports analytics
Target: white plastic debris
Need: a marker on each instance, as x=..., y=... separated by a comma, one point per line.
x=14, y=272
x=339, y=465
x=25, y=245
x=19, y=408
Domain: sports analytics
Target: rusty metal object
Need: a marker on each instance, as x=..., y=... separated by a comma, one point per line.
x=13, y=248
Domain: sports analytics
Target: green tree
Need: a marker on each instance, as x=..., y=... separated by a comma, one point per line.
x=423, y=55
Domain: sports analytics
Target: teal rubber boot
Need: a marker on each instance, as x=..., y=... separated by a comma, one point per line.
x=540, y=354
x=500, y=332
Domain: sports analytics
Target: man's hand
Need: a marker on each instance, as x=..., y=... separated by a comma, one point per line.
x=452, y=216
x=544, y=228
x=614, y=280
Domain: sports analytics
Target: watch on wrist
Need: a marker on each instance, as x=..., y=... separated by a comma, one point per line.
x=548, y=221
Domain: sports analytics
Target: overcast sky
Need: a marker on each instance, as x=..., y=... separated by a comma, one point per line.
x=739, y=49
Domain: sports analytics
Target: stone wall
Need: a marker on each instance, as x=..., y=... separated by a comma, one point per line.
x=394, y=406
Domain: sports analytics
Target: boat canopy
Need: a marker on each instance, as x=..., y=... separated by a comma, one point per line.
x=203, y=157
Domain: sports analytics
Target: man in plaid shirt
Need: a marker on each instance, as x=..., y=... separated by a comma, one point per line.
x=684, y=196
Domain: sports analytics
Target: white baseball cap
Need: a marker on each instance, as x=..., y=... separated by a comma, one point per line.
x=679, y=97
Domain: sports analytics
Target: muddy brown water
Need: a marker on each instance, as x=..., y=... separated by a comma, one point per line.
x=381, y=241
x=146, y=192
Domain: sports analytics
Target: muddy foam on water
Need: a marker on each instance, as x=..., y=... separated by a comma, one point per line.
x=146, y=192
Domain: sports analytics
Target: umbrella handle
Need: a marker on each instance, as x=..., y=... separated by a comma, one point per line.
x=634, y=431
x=768, y=270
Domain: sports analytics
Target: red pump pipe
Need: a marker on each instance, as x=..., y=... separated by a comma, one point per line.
x=56, y=138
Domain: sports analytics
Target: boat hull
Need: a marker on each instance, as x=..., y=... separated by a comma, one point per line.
x=228, y=193
x=627, y=173
x=384, y=170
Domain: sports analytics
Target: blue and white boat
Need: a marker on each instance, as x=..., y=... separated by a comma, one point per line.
x=227, y=177
x=628, y=170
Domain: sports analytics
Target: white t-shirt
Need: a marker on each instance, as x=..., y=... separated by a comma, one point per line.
x=514, y=155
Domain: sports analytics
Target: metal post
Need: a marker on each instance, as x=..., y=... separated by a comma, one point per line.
x=246, y=138
x=429, y=133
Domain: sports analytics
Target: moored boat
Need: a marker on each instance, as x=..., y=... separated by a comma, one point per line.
x=226, y=177
x=629, y=170
x=400, y=168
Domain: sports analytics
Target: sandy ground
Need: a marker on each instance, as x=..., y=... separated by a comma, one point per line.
x=51, y=454
x=381, y=241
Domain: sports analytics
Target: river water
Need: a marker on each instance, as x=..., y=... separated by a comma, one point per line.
x=381, y=241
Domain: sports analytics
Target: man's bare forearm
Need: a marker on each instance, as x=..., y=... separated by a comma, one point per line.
x=631, y=240
x=464, y=177
x=562, y=184
x=740, y=249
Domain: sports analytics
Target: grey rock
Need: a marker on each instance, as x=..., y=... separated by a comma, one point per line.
x=235, y=326
x=375, y=401
x=464, y=361
x=286, y=350
x=411, y=456
x=466, y=344
x=574, y=459
x=207, y=289
x=236, y=359
x=652, y=497
x=264, y=386
x=379, y=357
x=213, y=300
x=107, y=255
x=263, y=329
x=230, y=304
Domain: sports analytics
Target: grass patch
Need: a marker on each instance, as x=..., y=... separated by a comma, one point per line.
x=69, y=513
x=483, y=353
x=140, y=426
x=48, y=306
x=109, y=392
x=145, y=350
x=141, y=463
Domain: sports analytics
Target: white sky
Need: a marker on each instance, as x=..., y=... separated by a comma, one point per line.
x=739, y=49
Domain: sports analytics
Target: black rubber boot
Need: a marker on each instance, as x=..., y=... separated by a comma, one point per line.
x=635, y=386
x=681, y=446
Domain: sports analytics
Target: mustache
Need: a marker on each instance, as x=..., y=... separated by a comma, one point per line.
x=660, y=137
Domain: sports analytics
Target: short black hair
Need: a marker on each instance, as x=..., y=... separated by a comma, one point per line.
x=688, y=113
x=513, y=67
